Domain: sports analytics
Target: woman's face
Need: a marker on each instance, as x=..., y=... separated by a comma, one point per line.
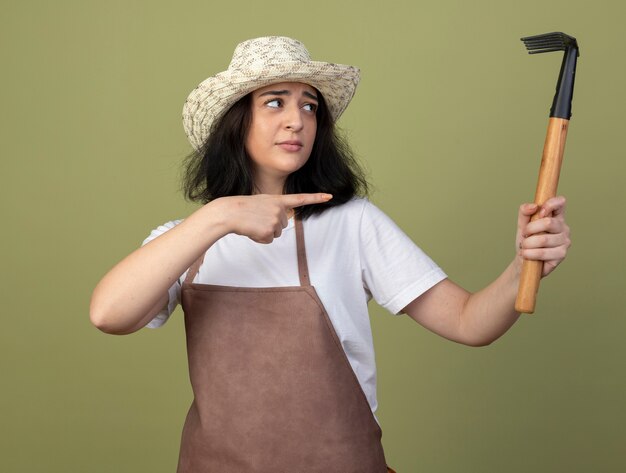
x=281, y=133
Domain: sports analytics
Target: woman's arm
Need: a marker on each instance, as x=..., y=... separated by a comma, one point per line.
x=135, y=290
x=480, y=318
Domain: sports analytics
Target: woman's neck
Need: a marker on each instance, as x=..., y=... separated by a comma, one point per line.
x=269, y=186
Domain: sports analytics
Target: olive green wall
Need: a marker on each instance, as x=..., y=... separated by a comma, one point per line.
x=449, y=118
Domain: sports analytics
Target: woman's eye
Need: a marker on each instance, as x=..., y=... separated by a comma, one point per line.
x=273, y=103
x=310, y=107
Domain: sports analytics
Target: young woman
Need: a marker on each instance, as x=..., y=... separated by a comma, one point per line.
x=275, y=270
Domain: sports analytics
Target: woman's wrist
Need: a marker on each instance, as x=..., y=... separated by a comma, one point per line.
x=211, y=220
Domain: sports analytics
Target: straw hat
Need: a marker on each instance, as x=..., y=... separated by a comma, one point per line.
x=255, y=64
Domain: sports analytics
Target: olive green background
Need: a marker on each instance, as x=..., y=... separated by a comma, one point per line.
x=449, y=120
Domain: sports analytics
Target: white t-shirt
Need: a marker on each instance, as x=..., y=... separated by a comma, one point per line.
x=354, y=252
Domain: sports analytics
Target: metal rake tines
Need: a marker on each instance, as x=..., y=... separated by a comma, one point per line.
x=548, y=42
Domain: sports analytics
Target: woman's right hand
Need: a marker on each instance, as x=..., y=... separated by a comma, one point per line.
x=261, y=217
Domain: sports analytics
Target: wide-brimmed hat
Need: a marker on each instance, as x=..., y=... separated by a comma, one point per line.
x=259, y=62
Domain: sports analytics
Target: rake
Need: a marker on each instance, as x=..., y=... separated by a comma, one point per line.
x=552, y=158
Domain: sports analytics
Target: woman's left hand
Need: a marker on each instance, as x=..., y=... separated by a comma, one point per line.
x=547, y=238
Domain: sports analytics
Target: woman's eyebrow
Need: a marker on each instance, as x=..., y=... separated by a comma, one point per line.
x=275, y=92
x=286, y=92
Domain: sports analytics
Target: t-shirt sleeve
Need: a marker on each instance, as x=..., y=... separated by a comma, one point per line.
x=395, y=270
x=174, y=290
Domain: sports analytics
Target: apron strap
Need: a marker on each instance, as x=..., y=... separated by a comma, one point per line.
x=193, y=270
x=303, y=268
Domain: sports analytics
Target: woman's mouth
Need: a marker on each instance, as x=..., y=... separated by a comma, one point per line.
x=291, y=145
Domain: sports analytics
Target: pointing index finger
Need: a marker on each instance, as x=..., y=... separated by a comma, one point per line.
x=292, y=201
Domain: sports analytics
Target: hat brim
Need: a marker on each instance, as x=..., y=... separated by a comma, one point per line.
x=215, y=95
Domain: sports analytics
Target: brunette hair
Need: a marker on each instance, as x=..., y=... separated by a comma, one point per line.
x=223, y=168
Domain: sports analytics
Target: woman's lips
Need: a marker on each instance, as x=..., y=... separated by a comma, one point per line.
x=291, y=145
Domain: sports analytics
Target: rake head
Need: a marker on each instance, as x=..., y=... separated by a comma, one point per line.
x=548, y=42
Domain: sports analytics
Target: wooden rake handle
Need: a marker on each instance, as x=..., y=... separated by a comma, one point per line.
x=548, y=181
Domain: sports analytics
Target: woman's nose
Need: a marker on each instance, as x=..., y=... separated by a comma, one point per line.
x=293, y=118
